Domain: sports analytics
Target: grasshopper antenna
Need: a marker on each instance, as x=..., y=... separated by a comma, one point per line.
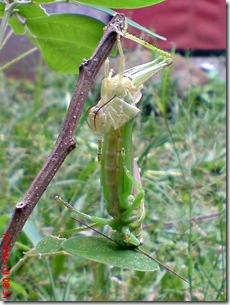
x=162, y=265
x=96, y=231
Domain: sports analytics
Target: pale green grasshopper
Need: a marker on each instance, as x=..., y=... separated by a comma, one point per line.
x=112, y=118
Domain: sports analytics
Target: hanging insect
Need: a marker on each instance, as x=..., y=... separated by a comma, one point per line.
x=112, y=119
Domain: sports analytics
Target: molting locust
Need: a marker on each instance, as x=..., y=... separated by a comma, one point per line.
x=112, y=119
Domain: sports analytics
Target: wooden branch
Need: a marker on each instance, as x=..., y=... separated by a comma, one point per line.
x=65, y=142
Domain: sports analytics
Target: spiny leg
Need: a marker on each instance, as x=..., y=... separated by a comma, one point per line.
x=100, y=221
x=122, y=59
x=137, y=200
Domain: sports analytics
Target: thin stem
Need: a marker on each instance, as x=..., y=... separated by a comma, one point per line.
x=31, y=254
x=8, y=35
x=3, y=26
x=13, y=61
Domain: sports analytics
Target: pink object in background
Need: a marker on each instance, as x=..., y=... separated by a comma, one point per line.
x=187, y=24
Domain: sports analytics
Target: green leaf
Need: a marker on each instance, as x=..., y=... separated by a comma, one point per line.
x=31, y=10
x=65, y=39
x=121, y=3
x=105, y=251
x=49, y=244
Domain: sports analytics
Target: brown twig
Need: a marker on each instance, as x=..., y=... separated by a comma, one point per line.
x=65, y=142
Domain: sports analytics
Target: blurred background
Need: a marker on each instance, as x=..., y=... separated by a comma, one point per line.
x=179, y=144
x=198, y=26
x=194, y=25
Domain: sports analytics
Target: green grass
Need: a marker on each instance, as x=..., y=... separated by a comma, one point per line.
x=181, y=154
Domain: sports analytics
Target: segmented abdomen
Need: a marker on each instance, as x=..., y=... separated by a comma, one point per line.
x=110, y=171
x=117, y=187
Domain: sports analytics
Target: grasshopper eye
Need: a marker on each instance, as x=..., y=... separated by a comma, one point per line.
x=97, y=120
